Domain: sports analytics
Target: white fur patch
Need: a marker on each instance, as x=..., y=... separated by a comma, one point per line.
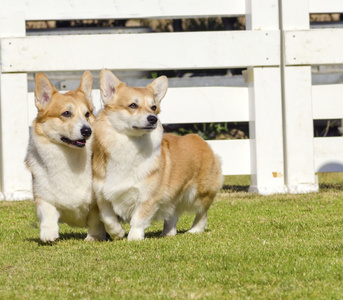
x=130, y=162
x=62, y=177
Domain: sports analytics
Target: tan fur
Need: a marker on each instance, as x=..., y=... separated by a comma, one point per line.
x=140, y=174
x=59, y=158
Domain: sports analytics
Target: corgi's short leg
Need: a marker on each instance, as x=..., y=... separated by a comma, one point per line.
x=141, y=219
x=96, y=229
x=169, y=227
x=139, y=222
x=138, y=227
x=48, y=219
x=200, y=222
x=110, y=219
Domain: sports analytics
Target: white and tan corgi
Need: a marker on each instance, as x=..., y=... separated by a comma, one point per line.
x=59, y=158
x=141, y=175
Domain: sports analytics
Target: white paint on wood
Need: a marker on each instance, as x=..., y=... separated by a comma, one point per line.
x=123, y=9
x=297, y=106
x=294, y=14
x=315, y=46
x=205, y=104
x=320, y=6
x=152, y=51
x=234, y=154
x=328, y=154
x=267, y=164
x=12, y=24
x=298, y=130
x=15, y=179
x=266, y=143
x=262, y=14
x=327, y=101
x=190, y=105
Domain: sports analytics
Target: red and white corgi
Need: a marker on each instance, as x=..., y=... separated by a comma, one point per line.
x=59, y=158
x=141, y=174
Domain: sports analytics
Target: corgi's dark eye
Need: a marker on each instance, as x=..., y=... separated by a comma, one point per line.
x=153, y=108
x=133, y=105
x=66, y=114
x=87, y=114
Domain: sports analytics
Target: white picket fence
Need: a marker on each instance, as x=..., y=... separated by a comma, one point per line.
x=280, y=102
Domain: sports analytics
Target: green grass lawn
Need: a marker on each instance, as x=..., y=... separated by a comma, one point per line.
x=256, y=247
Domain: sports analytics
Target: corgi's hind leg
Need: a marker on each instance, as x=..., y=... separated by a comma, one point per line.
x=96, y=229
x=48, y=221
x=199, y=223
x=202, y=204
x=169, y=228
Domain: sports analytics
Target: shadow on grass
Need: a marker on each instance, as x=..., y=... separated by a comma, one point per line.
x=40, y=243
x=72, y=236
x=331, y=186
x=235, y=188
x=82, y=236
x=157, y=234
x=245, y=188
x=63, y=237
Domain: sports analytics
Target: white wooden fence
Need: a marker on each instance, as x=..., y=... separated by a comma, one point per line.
x=277, y=47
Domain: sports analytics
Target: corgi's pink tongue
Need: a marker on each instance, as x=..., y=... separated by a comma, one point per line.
x=79, y=143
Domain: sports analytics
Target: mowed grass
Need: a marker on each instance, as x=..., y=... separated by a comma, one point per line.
x=256, y=247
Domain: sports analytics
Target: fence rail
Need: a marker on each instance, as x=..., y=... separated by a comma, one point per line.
x=279, y=102
x=123, y=9
x=322, y=7
x=148, y=51
x=313, y=47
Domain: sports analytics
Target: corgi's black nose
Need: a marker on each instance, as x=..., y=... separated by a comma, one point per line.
x=152, y=119
x=86, y=131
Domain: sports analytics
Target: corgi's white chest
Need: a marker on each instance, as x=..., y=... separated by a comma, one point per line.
x=62, y=178
x=130, y=162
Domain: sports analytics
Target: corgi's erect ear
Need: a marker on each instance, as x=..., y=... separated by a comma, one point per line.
x=159, y=87
x=108, y=85
x=43, y=91
x=86, y=85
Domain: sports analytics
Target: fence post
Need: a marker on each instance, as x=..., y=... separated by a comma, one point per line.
x=14, y=132
x=297, y=107
x=265, y=105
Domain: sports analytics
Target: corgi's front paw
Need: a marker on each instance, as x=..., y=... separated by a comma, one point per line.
x=169, y=232
x=48, y=235
x=196, y=230
x=136, y=234
x=93, y=238
x=96, y=234
x=115, y=230
x=118, y=234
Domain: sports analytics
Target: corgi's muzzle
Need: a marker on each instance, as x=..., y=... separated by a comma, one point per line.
x=85, y=132
x=151, y=125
